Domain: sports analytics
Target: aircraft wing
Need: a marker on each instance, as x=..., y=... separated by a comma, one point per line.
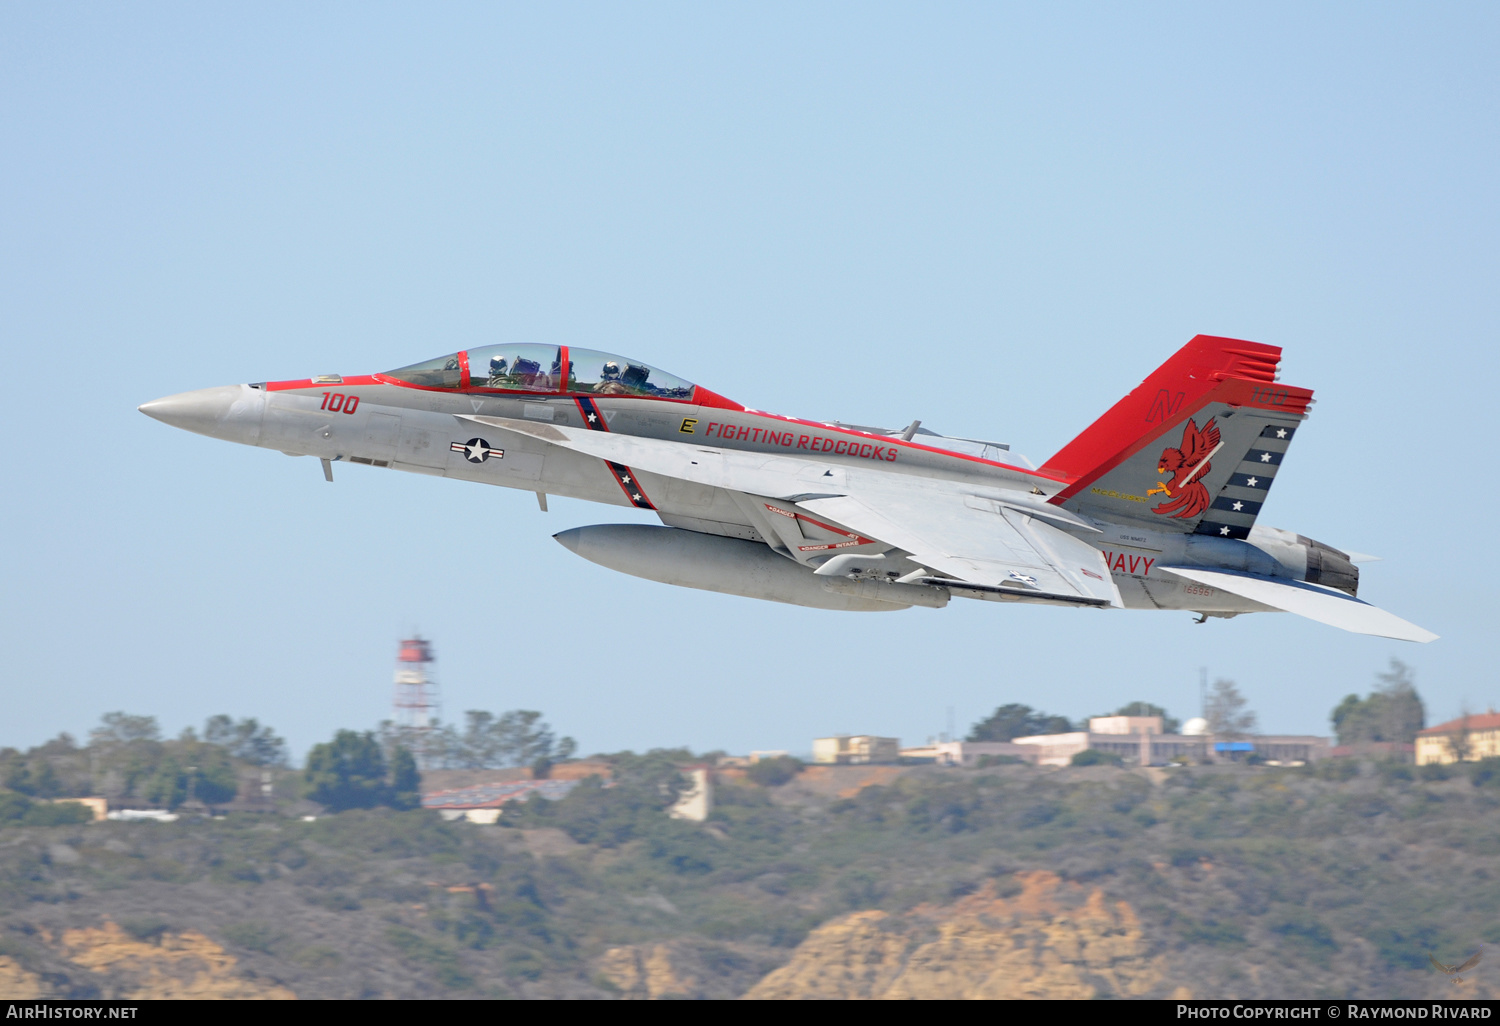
x=980, y=541
x=1325, y=605
x=997, y=545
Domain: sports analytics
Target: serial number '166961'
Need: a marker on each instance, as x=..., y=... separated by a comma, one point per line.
x=339, y=403
x=1198, y=589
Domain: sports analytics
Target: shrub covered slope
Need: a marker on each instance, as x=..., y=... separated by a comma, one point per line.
x=1246, y=881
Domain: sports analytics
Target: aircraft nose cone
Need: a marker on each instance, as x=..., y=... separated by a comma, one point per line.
x=193, y=411
x=230, y=412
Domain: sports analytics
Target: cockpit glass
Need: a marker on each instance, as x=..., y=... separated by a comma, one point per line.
x=534, y=367
x=524, y=366
x=444, y=372
x=604, y=374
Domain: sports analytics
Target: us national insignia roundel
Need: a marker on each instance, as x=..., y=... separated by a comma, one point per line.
x=477, y=450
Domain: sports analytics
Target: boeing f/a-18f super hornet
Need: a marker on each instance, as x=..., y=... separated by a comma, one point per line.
x=1154, y=506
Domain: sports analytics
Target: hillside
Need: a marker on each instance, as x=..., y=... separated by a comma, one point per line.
x=1012, y=881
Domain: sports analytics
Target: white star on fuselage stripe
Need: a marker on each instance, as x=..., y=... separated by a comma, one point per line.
x=624, y=478
x=593, y=419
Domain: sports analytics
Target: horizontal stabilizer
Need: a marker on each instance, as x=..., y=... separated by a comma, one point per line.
x=1310, y=600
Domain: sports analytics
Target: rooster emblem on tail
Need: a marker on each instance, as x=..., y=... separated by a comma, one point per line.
x=1186, y=465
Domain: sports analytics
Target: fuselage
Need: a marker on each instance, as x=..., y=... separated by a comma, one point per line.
x=384, y=421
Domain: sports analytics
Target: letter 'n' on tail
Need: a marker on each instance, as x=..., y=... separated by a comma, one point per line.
x=1194, y=448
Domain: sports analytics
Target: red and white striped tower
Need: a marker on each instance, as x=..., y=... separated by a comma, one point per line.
x=417, y=700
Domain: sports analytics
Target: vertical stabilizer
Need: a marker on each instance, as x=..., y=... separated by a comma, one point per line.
x=1194, y=447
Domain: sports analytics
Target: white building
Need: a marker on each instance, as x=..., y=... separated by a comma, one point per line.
x=1139, y=741
x=856, y=748
x=1055, y=749
x=1125, y=725
x=968, y=753
x=697, y=801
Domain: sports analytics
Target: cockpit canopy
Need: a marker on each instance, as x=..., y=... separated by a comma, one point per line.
x=532, y=367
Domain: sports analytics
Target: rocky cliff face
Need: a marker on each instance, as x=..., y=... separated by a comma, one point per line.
x=647, y=971
x=113, y=964
x=685, y=968
x=1047, y=940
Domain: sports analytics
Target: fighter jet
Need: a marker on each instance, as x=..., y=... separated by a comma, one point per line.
x=1153, y=506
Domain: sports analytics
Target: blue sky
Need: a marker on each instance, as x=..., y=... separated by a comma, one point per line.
x=995, y=218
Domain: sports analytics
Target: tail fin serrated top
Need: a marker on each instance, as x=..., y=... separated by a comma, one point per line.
x=1194, y=447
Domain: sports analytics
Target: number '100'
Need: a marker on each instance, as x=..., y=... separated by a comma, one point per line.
x=337, y=402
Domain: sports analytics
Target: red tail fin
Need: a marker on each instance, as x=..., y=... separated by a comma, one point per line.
x=1207, y=370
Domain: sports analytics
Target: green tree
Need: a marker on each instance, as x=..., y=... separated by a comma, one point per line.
x=1393, y=712
x=1169, y=724
x=1226, y=713
x=1094, y=757
x=246, y=740
x=516, y=738
x=480, y=745
x=774, y=772
x=125, y=751
x=526, y=739
x=406, y=780
x=58, y=814
x=45, y=782
x=35, y=773
x=347, y=772
x=14, y=773
x=168, y=785
x=13, y=806
x=643, y=788
x=122, y=728
x=1015, y=720
x=213, y=780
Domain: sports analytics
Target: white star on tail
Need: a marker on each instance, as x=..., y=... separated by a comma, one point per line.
x=1238, y=506
x=1265, y=457
x=1223, y=530
x=1281, y=433
x=1251, y=482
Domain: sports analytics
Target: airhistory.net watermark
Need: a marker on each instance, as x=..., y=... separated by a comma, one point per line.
x=53, y=1010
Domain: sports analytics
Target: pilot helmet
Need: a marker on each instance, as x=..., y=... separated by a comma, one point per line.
x=497, y=365
x=611, y=369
